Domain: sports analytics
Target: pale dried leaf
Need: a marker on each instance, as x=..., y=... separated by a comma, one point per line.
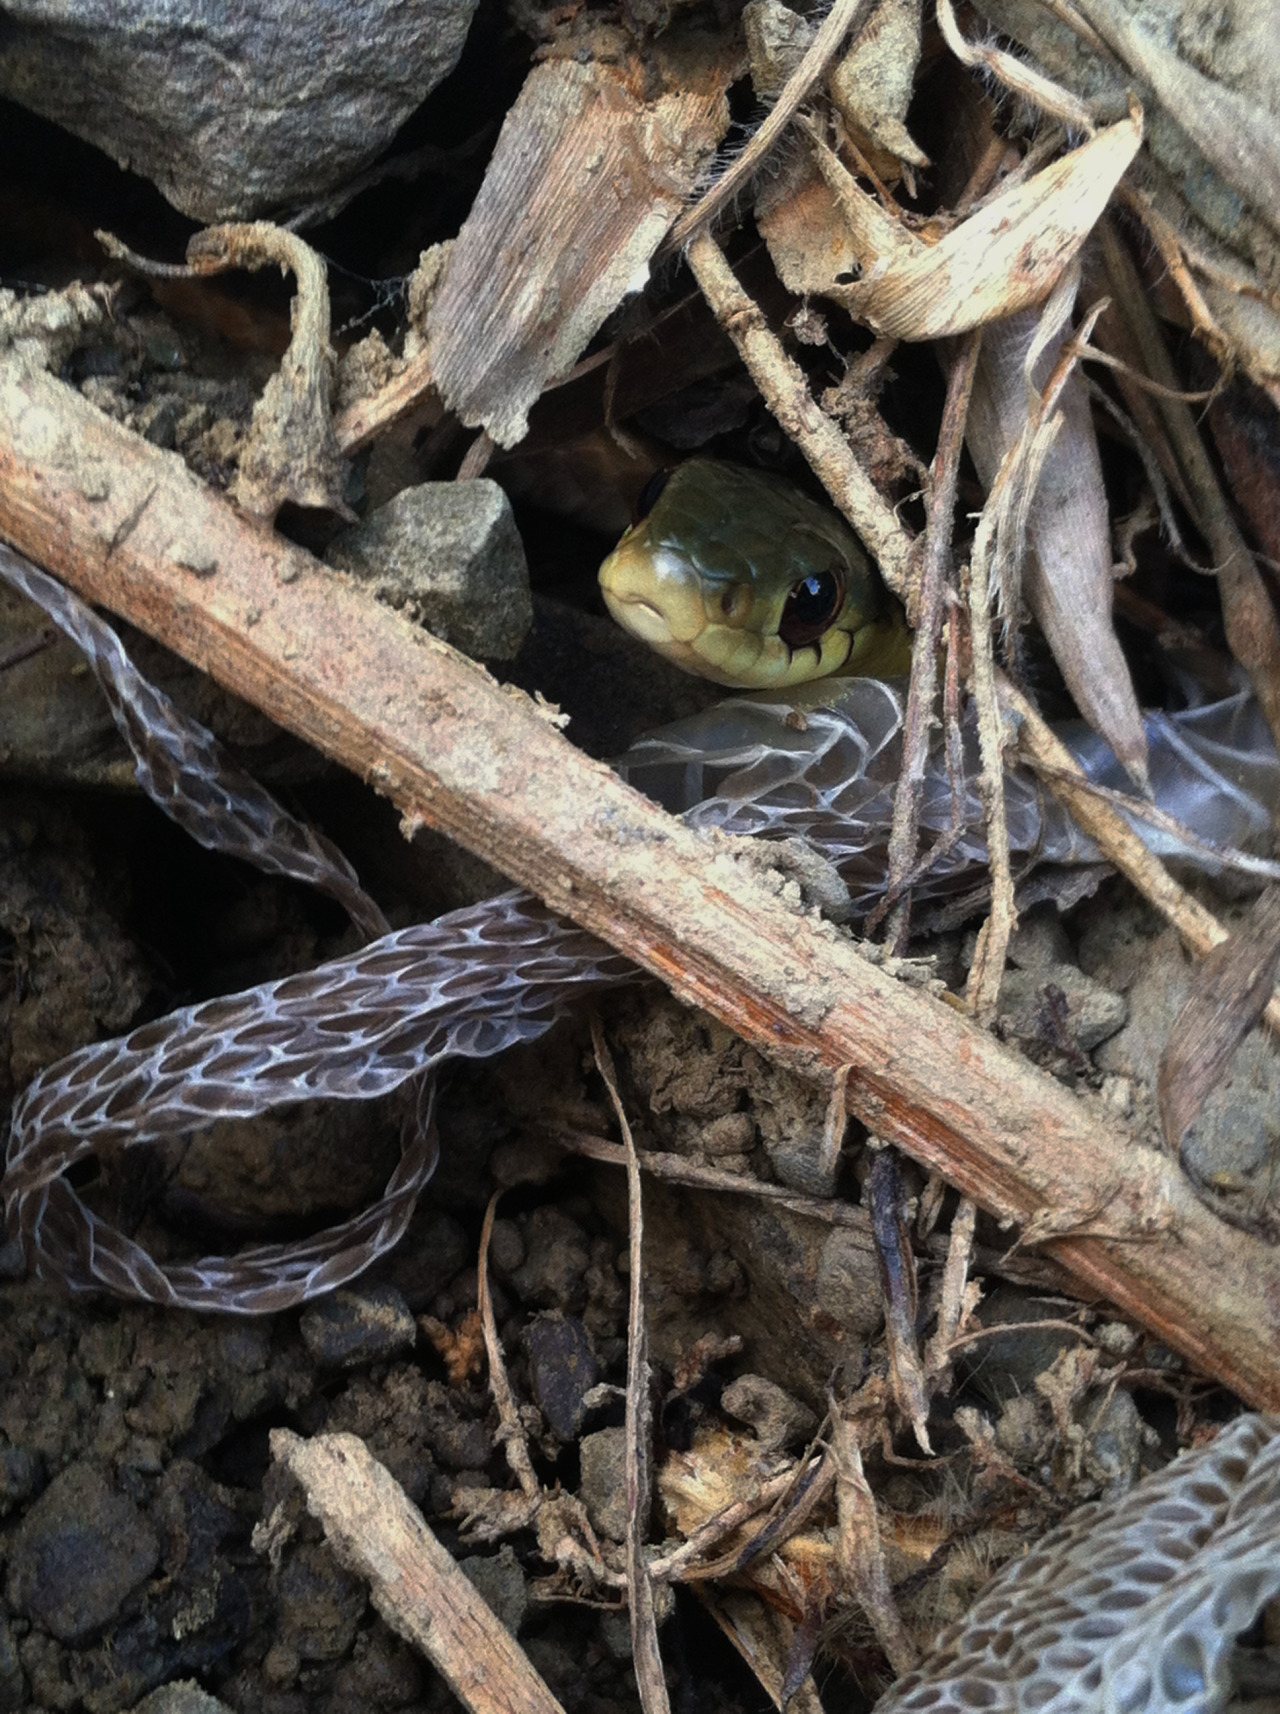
x=1066, y=577
x=1231, y=990
x=873, y=84
x=1006, y=257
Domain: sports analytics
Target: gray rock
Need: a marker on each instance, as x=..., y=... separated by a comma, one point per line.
x=79, y=1554
x=232, y=107
x=778, y=1419
x=21, y=1477
x=320, y=1604
x=1113, y=1444
x=184, y=1696
x=447, y=554
x=563, y=1370
x=501, y=1580
x=1233, y=1143
x=556, y=1259
x=358, y=1326
x=1005, y=1366
x=1058, y=1006
x=604, y=1481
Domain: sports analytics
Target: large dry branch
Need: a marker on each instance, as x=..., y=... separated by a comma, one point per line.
x=128, y=526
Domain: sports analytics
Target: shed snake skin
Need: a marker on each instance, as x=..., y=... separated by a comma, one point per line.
x=1132, y=1607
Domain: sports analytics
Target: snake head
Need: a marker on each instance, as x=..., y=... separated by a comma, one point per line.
x=738, y=577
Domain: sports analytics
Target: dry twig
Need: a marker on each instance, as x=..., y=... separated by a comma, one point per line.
x=375, y=1531
x=786, y=392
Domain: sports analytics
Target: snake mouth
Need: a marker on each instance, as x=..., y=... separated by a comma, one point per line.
x=640, y=617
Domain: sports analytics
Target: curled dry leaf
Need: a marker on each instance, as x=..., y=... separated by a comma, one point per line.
x=1004, y=258
x=1066, y=574
x=291, y=452
x=873, y=84
x=541, y=260
x=1230, y=993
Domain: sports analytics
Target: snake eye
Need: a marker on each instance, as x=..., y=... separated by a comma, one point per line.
x=811, y=608
x=650, y=494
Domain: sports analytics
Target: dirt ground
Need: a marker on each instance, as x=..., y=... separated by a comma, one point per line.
x=135, y=1464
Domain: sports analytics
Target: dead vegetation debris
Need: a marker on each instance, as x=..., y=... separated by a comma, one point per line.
x=745, y=1316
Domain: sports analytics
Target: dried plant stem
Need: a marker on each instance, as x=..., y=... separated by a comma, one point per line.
x=987, y=971
x=650, y=1679
x=1253, y=630
x=927, y=618
x=861, y=1550
x=510, y=1429
x=786, y=392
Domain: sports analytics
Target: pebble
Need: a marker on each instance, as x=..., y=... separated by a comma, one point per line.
x=320, y=1604
x=563, y=1370
x=500, y=1578
x=78, y=1555
x=604, y=1481
x=351, y=1328
x=22, y=1476
x=778, y=1419
x=1060, y=1007
x=448, y=555
x=184, y=1696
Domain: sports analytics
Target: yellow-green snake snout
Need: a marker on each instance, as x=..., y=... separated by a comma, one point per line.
x=739, y=577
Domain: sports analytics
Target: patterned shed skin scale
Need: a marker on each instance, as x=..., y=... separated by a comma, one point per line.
x=1131, y=1607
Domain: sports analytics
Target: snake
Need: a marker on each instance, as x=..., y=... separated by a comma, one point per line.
x=1132, y=1606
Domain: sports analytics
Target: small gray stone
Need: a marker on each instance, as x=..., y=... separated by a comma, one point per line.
x=1039, y=941
x=604, y=1481
x=79, y=1554
x=563, y=1370
x=320, y=1603
x=184, y=1696
x=778, y=1419
x=500, y=1578
x=232, y=107
x=1234, y=1141
x=1006, y=1365
x=1059, y=1006
x=447, y=554
x=21, y=1477
x=557, y=1258
x=1113, y=1444
x=354, y=1327
x=506, y=1247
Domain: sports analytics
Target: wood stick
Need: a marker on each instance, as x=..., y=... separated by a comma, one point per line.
x=377, y=1532
x=124, y=523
